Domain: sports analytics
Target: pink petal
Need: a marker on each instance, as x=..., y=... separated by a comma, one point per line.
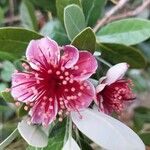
x=70, y=56
x=44, y=114
x=84, y=96
x=42, y=52
x=116, y=72
x=85, y=67
x=23, y=85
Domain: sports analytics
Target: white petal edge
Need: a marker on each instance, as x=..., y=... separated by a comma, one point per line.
x=71, y=145
x=34, y=135
x=116, y=72
x=100, y=87
x=106, y=131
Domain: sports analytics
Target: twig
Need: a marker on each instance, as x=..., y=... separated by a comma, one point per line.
x=14, y=19
x=130, y=13
x=100, y=23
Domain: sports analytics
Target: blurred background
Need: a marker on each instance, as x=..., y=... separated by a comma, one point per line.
x=39, y=15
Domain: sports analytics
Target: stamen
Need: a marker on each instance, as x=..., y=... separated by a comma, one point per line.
x=17, y=104
x=79, y=94
x=58, y=72
x=66, y=73
x=64, y=82
x=26, y=108
x=49, y=71
x=76, y=67
x=73, y=89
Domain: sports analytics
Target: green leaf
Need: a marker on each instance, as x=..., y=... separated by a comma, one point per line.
x=116, y=53
x=27, y=13
x=85, y=145
x=54, y=29
x=93, y=10
x=138, y=123
x=85, y=40
x=146, y=138
x=61, y=4
x=74, y=20
x=141, y=116
x=4, y=108
x=57, y=136
x=128, y=31
x=46, y=5
x=6, y=95
x=7, y=70
x=7, y=56
x=15, y=40
x=3, y=86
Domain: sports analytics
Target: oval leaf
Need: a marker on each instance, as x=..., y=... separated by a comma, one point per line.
x=15, y=40
x=74, y=20
x=6, y=95
x=85, y=40
x=71, y=145
x=93, y=10
x=33, y=134
x=28, y=17
x=55, y=30
x=61, y=4
x=105, y=130
x=116, y=53
x=127, y=31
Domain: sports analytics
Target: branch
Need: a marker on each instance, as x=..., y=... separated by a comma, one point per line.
x=130, y=13
x=100, y=23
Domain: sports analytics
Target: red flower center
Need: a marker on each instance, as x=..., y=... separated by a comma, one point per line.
x=114, y=95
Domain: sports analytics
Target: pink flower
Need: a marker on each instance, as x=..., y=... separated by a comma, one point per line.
x=113, y=90
x=54, y=81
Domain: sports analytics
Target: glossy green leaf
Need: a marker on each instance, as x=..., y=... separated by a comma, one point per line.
x=61, y=4
x=116, y=53
x=54, y=29
x=74, y=20
x=85, y=40
x=7, y=56
x=93, y=10
x=15, y=40
x=27, y=13
x=145, y=138
x=6, y=95
x=57, y=136
x=7, y=70
x=128, y=31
